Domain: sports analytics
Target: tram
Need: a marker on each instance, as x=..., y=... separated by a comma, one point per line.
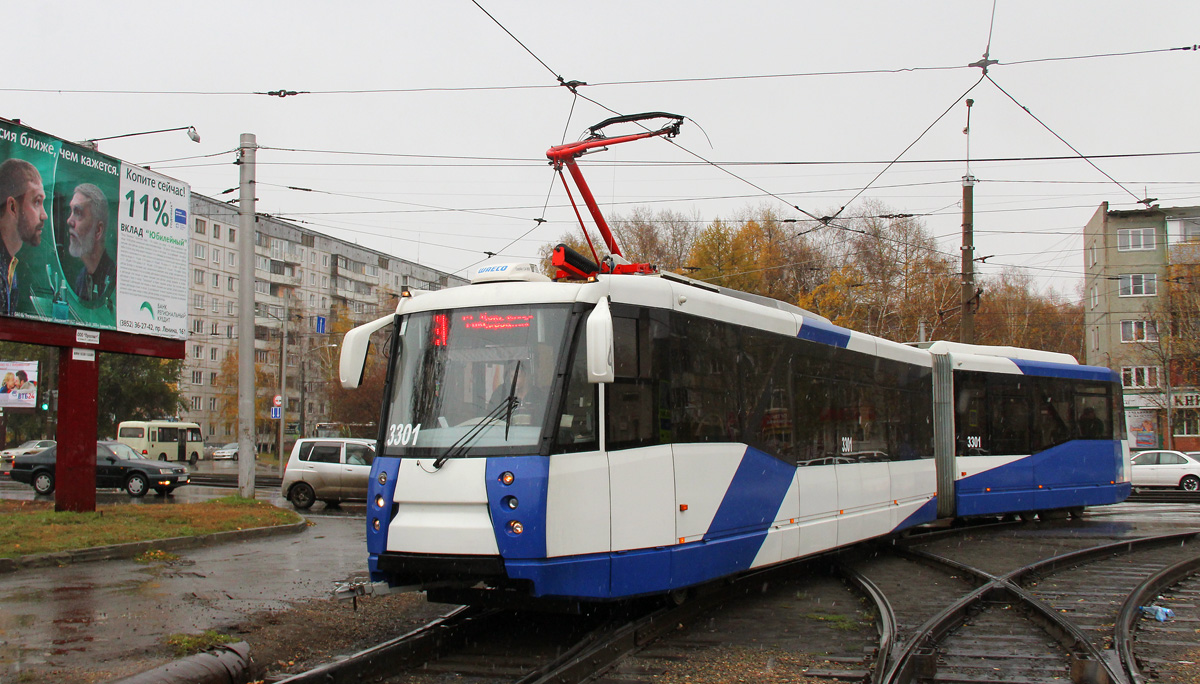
x=621, y=432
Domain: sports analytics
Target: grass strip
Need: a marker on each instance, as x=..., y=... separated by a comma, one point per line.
x=34, y=527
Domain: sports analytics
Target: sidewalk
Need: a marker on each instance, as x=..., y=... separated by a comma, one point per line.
x=113, y=617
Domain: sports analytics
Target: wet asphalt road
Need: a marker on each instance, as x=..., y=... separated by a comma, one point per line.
x=91, y=612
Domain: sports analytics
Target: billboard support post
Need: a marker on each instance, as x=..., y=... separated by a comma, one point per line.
x=75, y=466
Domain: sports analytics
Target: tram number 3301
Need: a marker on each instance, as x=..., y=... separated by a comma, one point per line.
x=402, y=434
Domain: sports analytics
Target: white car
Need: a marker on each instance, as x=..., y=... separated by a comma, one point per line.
x=229, y=452
x=33, y=446
x=329, y=470
x=1166, y=468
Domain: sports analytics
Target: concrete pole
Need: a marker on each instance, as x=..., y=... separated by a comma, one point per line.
x=247, y=454
x=966, y=328
x=282, y=379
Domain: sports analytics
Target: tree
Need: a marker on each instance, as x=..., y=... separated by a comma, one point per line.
x=137, y=388
x=1013, y=313
x=265, y=385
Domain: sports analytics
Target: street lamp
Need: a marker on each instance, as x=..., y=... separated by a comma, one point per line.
x=90, y=143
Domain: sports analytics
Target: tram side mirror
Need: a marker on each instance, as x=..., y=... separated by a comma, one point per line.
x=353, y=362
x=600, y=343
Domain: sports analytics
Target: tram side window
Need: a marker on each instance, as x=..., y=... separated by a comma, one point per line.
x=1053, y=418
x=1093, y=417
x=765, y=418
x=1008, y=399
x=635, y=395
x=970, y=415
x=577, y=422
x=703, y=357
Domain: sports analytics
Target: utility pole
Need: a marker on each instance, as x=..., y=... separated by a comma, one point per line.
x=966, y=322
x=247, y=453
x=282, y=378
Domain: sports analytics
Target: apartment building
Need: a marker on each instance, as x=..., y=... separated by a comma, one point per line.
x=300, y=276
x=1131, y=263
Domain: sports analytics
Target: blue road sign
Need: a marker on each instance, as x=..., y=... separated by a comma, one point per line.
x=276, y=413
x=320, y=324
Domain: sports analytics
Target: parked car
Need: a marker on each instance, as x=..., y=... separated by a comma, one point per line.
x=33, y=446
x=329, y=470
x=1166, y=468
x=228, y=452
x=117, y=466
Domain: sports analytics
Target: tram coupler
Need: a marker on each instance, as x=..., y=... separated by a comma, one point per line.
x=353, y=589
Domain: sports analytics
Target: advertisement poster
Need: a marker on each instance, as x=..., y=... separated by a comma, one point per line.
x=18, y=384
x=1143, y=428
x=90, y=240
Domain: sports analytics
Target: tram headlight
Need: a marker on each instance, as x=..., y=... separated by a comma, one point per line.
x=507, y=478
x=383, y=478
x=515, y=527
x=379, y=501
x=375, y=524
x=511, y=502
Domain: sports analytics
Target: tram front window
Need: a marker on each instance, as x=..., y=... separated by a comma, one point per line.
x=474, y=381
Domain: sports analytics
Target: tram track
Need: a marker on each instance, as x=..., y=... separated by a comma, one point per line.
x=1019, y=602
x=1050, y=620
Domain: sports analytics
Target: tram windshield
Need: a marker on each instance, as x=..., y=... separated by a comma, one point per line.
x=475, y=380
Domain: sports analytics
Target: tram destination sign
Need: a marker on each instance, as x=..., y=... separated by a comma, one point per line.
x=88, y=240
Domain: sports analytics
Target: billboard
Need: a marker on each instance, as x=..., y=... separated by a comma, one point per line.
x=18, y=384
x=89, y=240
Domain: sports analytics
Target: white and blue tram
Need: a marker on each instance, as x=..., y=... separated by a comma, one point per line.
x=642, y=434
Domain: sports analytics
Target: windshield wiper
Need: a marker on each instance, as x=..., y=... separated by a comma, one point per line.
x=506, y=405
x=512, y=400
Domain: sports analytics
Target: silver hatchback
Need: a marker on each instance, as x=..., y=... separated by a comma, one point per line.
x=329, y=470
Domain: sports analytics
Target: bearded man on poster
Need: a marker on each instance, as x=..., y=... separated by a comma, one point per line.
x=88, y=227
x=22, y=214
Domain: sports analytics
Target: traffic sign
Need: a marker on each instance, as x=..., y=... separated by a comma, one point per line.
x=320, y=324
x=276, y=413
x=277, y=401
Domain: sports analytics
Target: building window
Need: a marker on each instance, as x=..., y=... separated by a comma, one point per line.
x=262, y=287
x=216, y=280
x=1095, y=296
x=197, y=325
x=197, y=377
x=233, y=234
x=233, y=259
x=228, y=427
x=200, y=224
x=229, y=308
x=212, y=380
x=1096, y=337
x=1095, y=258
x=196, y=403
x=216, y=305
x=1139, y=331
x=1139, y=376
x=215, y=327
x=198, y=276
x=198, y=301
x=1187, y=423
x=1135, y=239
x=200, y=250
x=216, y=254
x=216, y=231
x=229, y=330
x=212, y=406
x=261, y=356
x=232, y=287
x=324, y=259
x=1138, y=284
x=197, y=351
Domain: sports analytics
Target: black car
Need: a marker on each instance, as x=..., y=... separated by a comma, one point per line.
x=117, y=466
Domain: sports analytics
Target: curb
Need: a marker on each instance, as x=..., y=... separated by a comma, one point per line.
x=133, y=549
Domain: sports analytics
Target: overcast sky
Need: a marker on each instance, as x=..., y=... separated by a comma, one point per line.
x=467, y=113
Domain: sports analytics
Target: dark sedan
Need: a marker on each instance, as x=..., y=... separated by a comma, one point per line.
x=117, y=466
